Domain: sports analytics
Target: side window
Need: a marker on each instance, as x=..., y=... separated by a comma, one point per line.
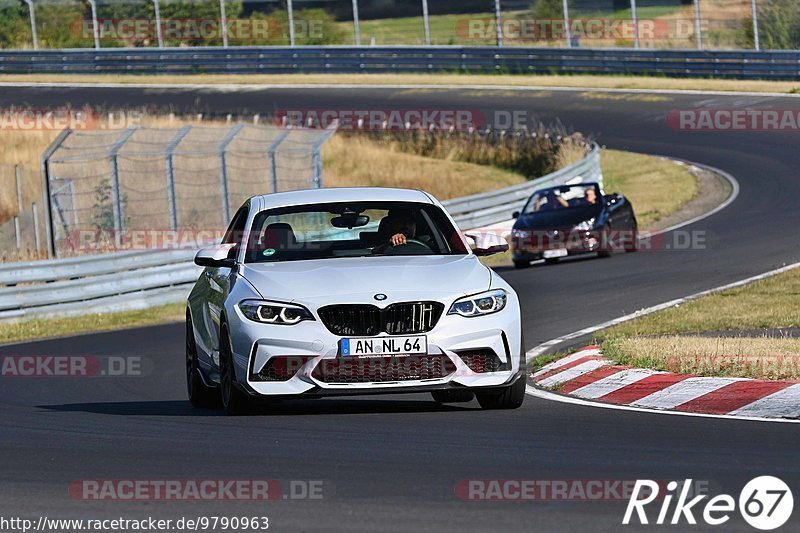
x=234, y=233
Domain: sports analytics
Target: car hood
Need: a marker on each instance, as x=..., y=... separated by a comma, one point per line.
x=359, y=279
x=557, y=219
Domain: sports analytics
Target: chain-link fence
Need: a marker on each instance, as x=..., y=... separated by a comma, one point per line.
x=154, y=187
x=717, y=24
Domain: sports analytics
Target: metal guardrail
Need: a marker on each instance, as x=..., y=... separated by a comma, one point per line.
x=740, y=64
x=141, y=279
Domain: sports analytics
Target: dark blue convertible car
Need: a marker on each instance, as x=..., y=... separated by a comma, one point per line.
x=570, y=220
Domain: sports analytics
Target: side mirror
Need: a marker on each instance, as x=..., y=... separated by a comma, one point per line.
x=515, y=214
x=488, y=244
x=218, y=256
x=612, y=198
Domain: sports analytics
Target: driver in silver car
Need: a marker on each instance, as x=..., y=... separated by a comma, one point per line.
x=400, y=227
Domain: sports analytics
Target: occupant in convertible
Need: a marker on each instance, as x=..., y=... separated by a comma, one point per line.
x=589, y=198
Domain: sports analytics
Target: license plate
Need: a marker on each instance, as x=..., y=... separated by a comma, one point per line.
x=355, y=347
x=551, y=254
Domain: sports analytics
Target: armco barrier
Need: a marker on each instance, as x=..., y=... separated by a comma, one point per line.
x=740, y=64
x=141, y=279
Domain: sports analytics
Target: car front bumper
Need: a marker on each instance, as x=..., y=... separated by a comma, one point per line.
x=309, y=344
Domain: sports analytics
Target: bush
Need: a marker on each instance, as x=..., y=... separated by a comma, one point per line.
x=532, y=154
x=778, y=26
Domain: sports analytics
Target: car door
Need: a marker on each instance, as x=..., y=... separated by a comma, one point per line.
x=217, y=283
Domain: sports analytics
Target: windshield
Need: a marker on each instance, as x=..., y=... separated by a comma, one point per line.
x=359, y=229
x=563, y=197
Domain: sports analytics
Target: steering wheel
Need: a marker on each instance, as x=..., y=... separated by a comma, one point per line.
x=411, y=247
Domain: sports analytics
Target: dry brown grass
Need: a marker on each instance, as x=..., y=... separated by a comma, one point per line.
x=751, y=357
x=360, y=161
x=21, y=148
x=606, y=82
x=655, y=186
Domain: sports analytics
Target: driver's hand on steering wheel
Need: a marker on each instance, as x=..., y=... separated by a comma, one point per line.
x=398, y=239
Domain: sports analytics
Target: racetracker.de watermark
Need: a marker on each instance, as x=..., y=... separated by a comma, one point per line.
x=171, y=490
x=62, y=118
x=188, y=29
x=70, y=366
x=734, y=119
x=591, y=29
x=555, y=489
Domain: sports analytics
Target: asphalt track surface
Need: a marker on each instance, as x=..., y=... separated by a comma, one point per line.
x=391, y=463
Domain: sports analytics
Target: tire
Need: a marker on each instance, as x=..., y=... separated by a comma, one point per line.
x=453, y=396
x=633, y=244
x=200, y=395
x=234, y=401
x=605, y=246
x=551, y=261
x=522, y=264
x=510, y=397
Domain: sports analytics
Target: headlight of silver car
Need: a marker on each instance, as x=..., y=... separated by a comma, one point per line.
x=586, y=225
x=481, y=304
x=274, y=312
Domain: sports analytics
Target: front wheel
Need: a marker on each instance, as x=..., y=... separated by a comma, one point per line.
x=521, y=264
x=234, y=401
x=509, y=397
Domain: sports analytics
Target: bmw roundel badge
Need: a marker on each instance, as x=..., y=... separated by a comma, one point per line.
x=380, y=297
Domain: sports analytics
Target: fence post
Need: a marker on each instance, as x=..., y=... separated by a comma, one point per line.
x=95, y=28
x=697, y=30
x=173, y=203
x=223, y=22
x=426, y=23
x=115, y=189
x=17, y=236
x=273, y=167
x=223, y=172
x=567, y=32
x=498, y=22
x=48, y=218
x=32, y=14
x=356, y=27
x=159, y=31
x=316, y=156
x=36, y=239
x=290, y=10
x=756, y=40
x=635, y=20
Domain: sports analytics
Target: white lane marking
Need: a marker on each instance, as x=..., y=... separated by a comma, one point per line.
x=542, y=348
x=614, y=382
x=555, y=397
x=566, y=360
x=785, y=403
x=572, y=373
x=683, y=391
x=448, y=87
x=728, y=201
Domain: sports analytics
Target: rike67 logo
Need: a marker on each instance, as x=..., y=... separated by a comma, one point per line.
x=765, y=503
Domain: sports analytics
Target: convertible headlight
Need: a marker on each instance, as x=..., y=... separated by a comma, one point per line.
x=274, y=312
x=586, y=225
x=484, y=303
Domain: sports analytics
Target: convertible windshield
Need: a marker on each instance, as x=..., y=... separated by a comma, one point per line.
x=324, y=231
x=563, y=197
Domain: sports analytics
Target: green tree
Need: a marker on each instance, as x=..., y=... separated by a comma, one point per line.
x=547, y=9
